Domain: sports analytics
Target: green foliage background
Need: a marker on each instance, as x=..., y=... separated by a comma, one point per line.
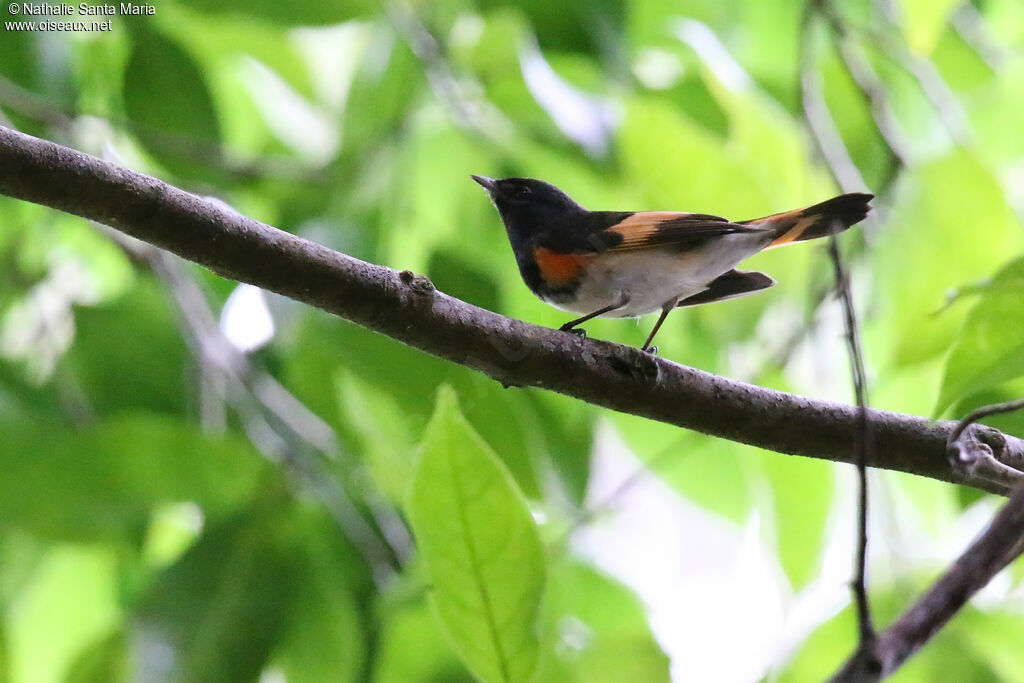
x=156, y=525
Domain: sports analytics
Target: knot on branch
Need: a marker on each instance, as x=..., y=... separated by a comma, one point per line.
x=980, y=452
x=643, y=368
x=419, y=284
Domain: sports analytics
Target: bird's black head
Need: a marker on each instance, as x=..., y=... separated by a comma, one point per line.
x=527, y=206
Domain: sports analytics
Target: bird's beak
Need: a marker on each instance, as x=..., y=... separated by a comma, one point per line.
x=485, y=182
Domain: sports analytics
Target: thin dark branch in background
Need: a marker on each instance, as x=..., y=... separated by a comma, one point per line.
x=823, y=128
x=944, y=101
x=986, y=411
x=409, y=309
x=873, y=91
x=969, y=24
x=863, y=445
x=970, y=449
x=863, y=439
x=468, y=111
x=45, y=110
x=278, y=424
x=997, y=547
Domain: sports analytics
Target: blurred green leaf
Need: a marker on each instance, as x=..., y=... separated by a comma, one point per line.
x=324, y=639
x=576, y=25
x=949, y=219
x=384, y=432
x=995, y=635
x=223, y=606
x=102, y=482
x=297, y=14
x=105, y=662
x=128, y=354
x=717, y=475
x=170, y=107
x=480, y=546
x=595, y=630
x=989, y=350
x=802, y=492
x=412, y=648
x=993, y=112
x=411, y=377
x=924, y=22
x=75, y=586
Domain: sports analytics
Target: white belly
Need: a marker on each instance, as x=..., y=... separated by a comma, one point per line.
x=650, y=279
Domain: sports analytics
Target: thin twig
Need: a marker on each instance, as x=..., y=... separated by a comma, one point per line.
x=864, y=442
x=942, y=98
x=277, y=423
x=472, y=113
x=874, y=92
x=59, y=118
x=1000, y=544
x=986, y=411
x=863, y=437
x=822, y=127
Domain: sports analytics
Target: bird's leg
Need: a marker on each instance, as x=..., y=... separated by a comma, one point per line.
x=657, y=326
x=581, y=333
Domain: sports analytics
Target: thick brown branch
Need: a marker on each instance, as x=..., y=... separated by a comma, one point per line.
x=408, y=308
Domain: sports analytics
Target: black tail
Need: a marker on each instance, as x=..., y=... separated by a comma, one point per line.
x=827, y=218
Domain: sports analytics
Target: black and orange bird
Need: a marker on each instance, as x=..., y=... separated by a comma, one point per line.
x=626, y=264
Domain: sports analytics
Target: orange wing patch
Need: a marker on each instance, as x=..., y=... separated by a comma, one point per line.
x=558, y=270
x=638, y=229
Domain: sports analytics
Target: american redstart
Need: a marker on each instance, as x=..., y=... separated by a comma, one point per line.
x=626, y=264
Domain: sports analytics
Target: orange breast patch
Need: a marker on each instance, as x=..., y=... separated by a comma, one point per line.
x=558, y=269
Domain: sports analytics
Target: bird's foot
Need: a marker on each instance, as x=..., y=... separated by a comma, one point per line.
x=578, y=331
x=653, y=350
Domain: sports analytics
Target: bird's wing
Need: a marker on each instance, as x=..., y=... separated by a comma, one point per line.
x=664, y=229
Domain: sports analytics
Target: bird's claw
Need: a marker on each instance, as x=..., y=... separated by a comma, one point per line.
x=653, y=350
x=578, y=331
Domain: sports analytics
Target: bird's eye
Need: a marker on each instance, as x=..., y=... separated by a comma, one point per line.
x=522, y=192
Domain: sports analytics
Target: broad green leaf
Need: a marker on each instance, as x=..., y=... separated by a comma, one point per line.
x=595, y=630
x=802, y=497
x=412, y=648
x=717, y=475
x=949, y=218
x=503, y=418
x=221, y=608
x=168, y=101
x=324, y=639
x=480, y=546
x=989, y=351
x=102, y=482
x=383, y=431
x=129, y=355
x=658, y=147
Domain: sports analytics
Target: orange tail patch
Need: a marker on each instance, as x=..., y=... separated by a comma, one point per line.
x=827, y=218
